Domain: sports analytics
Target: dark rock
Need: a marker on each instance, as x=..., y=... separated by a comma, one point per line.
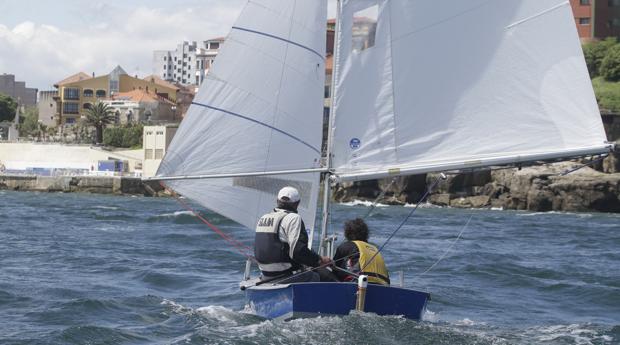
x=440, y=199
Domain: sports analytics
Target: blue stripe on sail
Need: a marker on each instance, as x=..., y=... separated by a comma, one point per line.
x=260, y=123
x=281, y=39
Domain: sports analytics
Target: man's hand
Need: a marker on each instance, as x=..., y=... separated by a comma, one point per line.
x=325, y=261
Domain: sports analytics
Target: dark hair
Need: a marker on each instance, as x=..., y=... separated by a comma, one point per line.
x=356, y=230
x=289, y=206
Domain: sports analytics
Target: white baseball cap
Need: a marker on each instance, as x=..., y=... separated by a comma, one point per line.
x=288, y=194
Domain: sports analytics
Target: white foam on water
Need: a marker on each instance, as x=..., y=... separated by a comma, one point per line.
x=362, y=203
x=424, y=205
x=496, y=208
x=533, y=214
x=219, y=313
x=579, y=334
x=107, y=207
x=176, y=214
x=465, y=322
x=430, y=316
x=176, y=307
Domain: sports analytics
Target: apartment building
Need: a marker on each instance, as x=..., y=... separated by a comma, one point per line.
x=79, y=92
x=188, y=64
x=17, y=90
x=596, y=19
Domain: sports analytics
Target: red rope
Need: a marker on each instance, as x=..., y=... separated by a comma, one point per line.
x=241, y=248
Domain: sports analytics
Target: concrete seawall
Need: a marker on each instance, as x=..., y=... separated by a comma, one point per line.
x=84, y=184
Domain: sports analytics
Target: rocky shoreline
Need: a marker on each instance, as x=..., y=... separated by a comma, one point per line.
x=536, y=188
x=81, y=184
x=539, y=188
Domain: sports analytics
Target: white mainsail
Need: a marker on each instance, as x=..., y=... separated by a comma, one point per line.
x=448, y=85
x=258, y=114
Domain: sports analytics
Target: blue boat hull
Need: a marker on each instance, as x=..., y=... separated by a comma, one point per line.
x=316, y=299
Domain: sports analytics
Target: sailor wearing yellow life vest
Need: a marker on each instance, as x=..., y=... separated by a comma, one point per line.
x=358, y=256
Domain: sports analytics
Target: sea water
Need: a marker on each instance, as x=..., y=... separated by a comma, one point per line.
x=92, y=269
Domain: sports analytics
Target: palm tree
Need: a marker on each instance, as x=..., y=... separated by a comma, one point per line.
x=99, y=116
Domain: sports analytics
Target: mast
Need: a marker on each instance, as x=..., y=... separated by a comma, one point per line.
x=326, y=245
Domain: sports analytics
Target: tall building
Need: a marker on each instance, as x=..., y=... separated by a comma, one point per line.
x=18, y=90
x=47, y=107
x=79, y=92
x=188, y=64
x=596, y=19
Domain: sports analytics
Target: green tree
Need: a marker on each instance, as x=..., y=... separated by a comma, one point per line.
x=99, y=116
x=595, y=52
x=610, y=67
x=133, y=136
x=129, y=136
x=30, y=126
x=113, y=137
x=7, y=108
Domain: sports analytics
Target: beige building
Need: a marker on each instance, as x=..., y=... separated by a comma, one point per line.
x=47, y=107
x=155, y=143
x=140, y=106
x=79, y=92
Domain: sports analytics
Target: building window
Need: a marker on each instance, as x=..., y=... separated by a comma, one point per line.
x=159, y=153
x=165, y=58
x=165, y=67
x=148, y=154
x=364, y=28
x=613, y=3
x=100, y=93
x=72, y=93
x=584, y=21
x=584, y=2
x=70, y=108
x=88, y=93
x=87, y=106
x=70, y=120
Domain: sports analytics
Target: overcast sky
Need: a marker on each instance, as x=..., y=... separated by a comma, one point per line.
x=44, y=41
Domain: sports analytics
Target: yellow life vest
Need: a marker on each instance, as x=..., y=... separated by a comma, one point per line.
x=375, y=270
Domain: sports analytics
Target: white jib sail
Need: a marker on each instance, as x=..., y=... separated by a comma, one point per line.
x=259, y=110
x=439, y=85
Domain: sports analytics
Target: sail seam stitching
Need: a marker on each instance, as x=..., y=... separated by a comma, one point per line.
x=281, y=39
x=260, y=123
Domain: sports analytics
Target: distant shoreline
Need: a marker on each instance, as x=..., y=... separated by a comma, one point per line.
x=112, y=185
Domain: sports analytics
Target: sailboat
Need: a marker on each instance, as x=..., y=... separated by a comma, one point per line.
x=419, y=86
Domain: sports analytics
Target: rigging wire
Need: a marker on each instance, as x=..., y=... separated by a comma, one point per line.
x=381, y=195
x=441, y=177
x=240, y=247
x=447, y=250
x=422, y=199
x=592, y=162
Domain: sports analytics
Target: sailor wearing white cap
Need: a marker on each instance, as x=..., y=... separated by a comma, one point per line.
x=281, y=242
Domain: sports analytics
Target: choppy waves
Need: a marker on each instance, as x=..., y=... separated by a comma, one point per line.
x=86, y=269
